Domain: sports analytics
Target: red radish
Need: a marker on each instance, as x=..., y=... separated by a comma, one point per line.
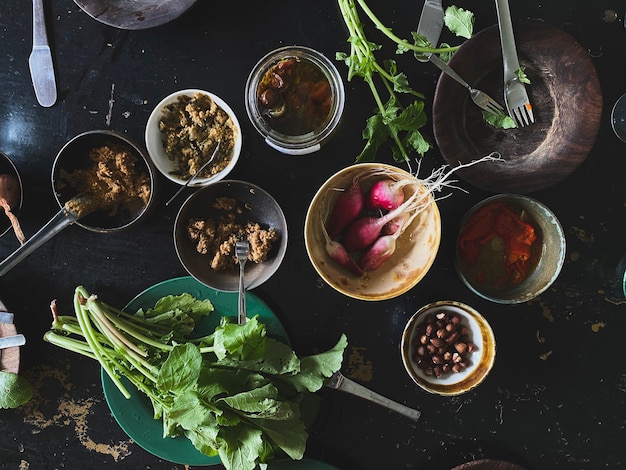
x=364, y=231
x=347, y=208
x=384, y=247
x=338, y=253
x=396, y=224
x=385, y=194
x=378, y=253
x=9, y=198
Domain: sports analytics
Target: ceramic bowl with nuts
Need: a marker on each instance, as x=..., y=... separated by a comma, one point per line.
x=448, y=348
x=183, y=132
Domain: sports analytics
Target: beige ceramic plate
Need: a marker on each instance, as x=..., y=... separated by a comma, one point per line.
x=414, y=255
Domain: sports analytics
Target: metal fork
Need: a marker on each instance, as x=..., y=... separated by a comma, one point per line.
x=242, y=248
x=430, y=26
x=515, y=96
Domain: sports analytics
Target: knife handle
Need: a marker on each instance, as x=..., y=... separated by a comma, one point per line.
x=507, y=40
x=349, y=386
x=40, y=38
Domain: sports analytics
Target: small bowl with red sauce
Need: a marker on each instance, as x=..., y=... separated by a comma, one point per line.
x=510, y=248
x=295, y=99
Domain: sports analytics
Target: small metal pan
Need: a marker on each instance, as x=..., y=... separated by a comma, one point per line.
x=75, y=155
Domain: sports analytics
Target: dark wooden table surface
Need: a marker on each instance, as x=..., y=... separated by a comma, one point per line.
x=556, y=397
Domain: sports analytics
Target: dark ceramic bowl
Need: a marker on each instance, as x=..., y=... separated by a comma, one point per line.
x=497, y=283
x=259, y=206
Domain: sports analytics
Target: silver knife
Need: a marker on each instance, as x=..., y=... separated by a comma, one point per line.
x=40, y=60
x=430, y=26
x=339, y=382
x=6, y=317
x=12, y=341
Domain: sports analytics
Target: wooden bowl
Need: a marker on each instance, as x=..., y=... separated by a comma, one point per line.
x=135, y=14
x=567, y=104
x=9, y=357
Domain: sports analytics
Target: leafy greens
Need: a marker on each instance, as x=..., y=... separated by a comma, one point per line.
x=236, y=393
x=392, y=121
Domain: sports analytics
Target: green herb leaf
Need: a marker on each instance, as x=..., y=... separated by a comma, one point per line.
x=15, y=390
x=521, y=75
x=501, y=120
x=459, y=21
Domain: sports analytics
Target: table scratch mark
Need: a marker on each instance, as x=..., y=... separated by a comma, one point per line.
x=111, y=102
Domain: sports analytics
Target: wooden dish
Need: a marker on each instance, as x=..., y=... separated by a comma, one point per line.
x=488, y=464
x=136, y=14
x=567, y=104
x=9, y=357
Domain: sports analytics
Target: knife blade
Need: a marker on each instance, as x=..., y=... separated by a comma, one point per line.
x=40, y=60
x=6, y=317
x=430, y=26
x=12, y=341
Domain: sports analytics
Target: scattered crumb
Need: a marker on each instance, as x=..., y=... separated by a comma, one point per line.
x=596, y=326
x=545, y=355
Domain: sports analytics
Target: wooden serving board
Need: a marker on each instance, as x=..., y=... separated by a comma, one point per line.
x=9, y=357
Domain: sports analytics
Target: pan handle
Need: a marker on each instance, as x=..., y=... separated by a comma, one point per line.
x=62, y=219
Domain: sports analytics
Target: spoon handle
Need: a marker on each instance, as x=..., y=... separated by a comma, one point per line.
x=62, y=219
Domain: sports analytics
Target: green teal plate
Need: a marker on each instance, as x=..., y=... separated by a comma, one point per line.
x=135, y=415
x=304, y=464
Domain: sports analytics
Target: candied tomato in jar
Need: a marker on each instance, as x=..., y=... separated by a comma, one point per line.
x=295, y=96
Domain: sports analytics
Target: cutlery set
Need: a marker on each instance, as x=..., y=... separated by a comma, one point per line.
x=515, y=97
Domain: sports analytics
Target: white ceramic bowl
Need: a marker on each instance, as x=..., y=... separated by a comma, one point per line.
x=156, y=150
x=480, y=361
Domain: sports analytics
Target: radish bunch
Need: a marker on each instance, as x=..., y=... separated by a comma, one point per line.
x=363, y=225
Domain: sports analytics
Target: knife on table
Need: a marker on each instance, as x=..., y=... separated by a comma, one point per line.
x=339, y=382
x=430, y=26
x=40, y=60
x=12, y=341
x=6, y=317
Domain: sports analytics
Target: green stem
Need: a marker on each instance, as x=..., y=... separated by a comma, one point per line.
x=387, y=32
x=89, y=334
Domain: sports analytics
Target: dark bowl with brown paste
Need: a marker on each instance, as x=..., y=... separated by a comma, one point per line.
x=109, y=168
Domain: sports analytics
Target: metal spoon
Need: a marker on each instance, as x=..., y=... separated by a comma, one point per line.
x=193, y=177
x=242, y=248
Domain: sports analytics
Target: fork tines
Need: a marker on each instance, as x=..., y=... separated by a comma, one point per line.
x=523, y=115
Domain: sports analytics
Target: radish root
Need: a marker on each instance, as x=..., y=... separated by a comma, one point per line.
x=15, y=223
